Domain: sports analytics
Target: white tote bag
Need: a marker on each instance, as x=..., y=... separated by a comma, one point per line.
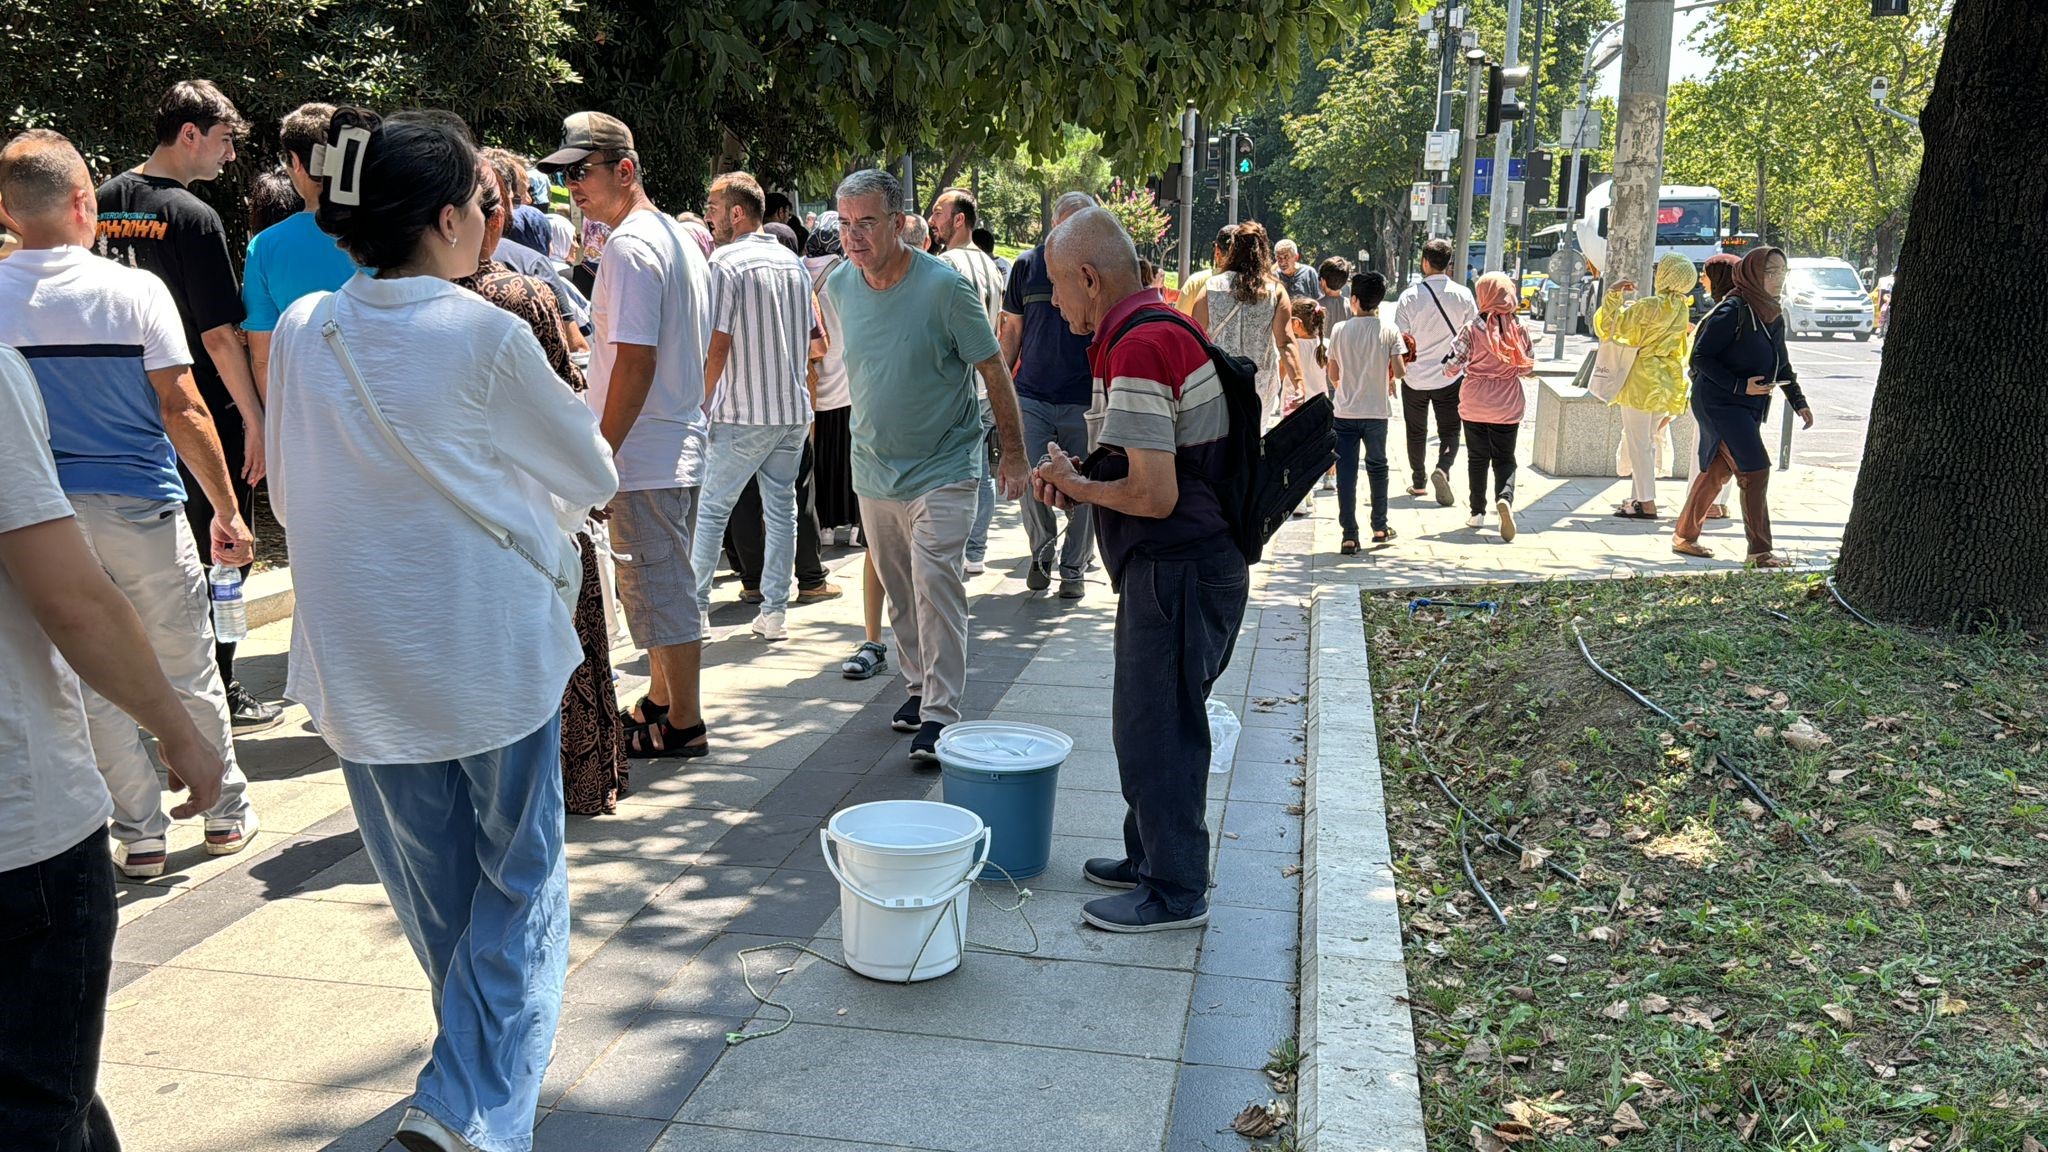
x=1611, y=366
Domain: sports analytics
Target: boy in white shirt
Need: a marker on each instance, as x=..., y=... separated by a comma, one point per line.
x=1365, y=361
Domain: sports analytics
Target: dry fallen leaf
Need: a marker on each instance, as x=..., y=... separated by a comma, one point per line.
x=1626, y=1120
x=1708, y=665
x=1477, y=1051
x=1616, y=1011
x=1604, y=933
x=1556, y=958
x=1949, y=1005
x=1646, y=1081
x=1533, y=858
x=1483, y=1139
x=1840, y=774
x=2005, y=861
x=1656, y=1005
x=1598, y=830
x=1927, y=824
x=1839, y=1014
x=1744, y=1125
x=1901, y=895
x=1766, y=733
x=1756, y=692
x=2029, y=1144
x=1259, y=1121
x=1804, y=737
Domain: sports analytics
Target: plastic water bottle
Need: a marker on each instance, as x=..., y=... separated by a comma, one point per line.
x=230, y=620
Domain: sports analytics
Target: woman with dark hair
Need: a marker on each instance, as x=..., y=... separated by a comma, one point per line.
x=594, y=762
x=1718, y=274
x=1244, y=311
x=430, y=468
x=1738, y=359
x=272, y=199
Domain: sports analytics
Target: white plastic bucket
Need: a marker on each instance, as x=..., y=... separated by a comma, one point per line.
x=905, y=870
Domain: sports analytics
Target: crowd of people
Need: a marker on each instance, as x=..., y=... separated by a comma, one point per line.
x=471, y=418
x=474, y=420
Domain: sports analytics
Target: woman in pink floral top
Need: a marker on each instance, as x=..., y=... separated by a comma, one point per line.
x=1494, y=354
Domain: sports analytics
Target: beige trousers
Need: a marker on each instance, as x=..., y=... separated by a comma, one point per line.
x=919, y=548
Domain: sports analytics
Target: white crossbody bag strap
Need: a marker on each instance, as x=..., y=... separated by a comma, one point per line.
x=331, y=331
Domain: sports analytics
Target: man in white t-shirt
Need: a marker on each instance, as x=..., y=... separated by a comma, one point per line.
x=1431, y=313
x=62, y=619
x=952, y=223
x=107, y=347
x=650, y=327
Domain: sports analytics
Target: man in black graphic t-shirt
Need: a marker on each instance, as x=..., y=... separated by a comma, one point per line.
x=148, y=219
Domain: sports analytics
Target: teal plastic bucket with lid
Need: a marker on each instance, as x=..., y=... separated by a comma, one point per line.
x=1008, y=774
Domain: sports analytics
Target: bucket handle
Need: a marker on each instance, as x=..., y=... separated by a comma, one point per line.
x=906, y=902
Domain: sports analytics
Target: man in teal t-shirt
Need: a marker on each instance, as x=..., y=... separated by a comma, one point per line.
x=293, y=257
x=914, y=335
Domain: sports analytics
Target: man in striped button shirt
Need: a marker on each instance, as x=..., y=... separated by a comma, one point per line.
x=755, y=392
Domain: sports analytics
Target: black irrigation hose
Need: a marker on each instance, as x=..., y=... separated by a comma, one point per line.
x=1735, y=770
x=1495, y=838
x=1472, y=875
x=1774, y=614
x=1721, y=758
x=1850, y=608
x=1491, y=606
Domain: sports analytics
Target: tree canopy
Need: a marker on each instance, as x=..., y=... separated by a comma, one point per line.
x=1786, y=126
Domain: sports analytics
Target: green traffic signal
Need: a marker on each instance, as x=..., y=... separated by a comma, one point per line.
x=1244, y=166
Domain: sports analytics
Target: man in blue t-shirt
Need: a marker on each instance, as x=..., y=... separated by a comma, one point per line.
x=1054, y=392
x=916, y=336
x=293, y=257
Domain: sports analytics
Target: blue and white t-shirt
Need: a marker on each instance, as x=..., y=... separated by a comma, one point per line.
x=91, y=331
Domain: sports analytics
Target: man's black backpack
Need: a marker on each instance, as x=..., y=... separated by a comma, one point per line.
x=1264, y=478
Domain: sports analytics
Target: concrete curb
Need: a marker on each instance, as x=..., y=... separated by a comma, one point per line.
x=1358, y=1090
x=268, y=597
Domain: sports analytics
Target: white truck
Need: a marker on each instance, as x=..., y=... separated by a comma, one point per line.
x=1688, y=223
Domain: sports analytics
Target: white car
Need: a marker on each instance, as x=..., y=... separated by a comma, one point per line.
x=1823, y=295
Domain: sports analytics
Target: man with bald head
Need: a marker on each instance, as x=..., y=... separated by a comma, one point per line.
x=1055, y=390
x=108, y=350
x=1154, y=492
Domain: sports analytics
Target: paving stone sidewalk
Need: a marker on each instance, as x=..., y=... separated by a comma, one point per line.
x=271, y=995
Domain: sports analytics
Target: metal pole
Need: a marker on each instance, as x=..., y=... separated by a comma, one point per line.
x=1233, y=177
x=1187, y=190
x=909, y=183
x=1475, y=88
x=1785, y=438
x=1535, y=89
x=1575, y=265
x=1503, y=150
x=1447, y=42
x=1639, y=141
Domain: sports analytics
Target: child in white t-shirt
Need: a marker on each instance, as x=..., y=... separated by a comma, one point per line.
x=1363, y=365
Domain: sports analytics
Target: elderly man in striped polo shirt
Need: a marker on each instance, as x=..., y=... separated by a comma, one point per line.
x=1163, y=532
x=755, y=392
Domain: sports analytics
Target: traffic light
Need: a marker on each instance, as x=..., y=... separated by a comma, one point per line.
x=1536, y=176
x=1567, y=173
x=1498, y=80
x=1212, y=158
x=1241, y=154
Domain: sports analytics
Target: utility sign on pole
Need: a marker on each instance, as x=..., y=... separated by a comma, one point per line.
x=1418, y=201
x=1581, y=129
x=1441, y=155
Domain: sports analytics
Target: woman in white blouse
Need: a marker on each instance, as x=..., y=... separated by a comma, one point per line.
x=431, y=657
x=1245, y=312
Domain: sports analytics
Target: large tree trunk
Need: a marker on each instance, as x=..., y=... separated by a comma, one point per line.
x=1947, y=527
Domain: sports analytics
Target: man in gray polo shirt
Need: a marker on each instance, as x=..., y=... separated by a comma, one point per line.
x=916, y=335
x=755, y=390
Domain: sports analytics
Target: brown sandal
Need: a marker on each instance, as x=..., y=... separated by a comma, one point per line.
x=1691, y=548
x=1766, y=560
x=1717, y=512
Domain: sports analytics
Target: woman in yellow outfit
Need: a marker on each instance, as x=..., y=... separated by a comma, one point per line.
x=1657, y=327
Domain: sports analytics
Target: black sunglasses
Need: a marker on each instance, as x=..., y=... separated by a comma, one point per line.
x=580, y=171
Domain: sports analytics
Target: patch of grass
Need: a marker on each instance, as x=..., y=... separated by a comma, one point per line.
x=1714, y=980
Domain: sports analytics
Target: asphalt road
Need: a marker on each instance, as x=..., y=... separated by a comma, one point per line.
x=1839, y=377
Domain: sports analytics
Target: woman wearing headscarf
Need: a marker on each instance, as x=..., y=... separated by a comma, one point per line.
x=1493, y=354
x=1718, y=274
x=594, y=762
x=1657, y=328
x=1738, y=360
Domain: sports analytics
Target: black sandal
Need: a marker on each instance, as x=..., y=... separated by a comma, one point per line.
x=1633, y=510
x=1382, y=535
x=646, y=708
x=1348, y=548
x=658, y=739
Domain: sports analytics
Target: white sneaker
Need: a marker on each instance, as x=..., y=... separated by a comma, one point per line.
x=976, y=567
x=853, y=536
x=227, y=837
x=771, y=626
x=143, y=859
x=1507, y=519
x=1474, y=521
x=1329, y=484
x=419, y=1132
